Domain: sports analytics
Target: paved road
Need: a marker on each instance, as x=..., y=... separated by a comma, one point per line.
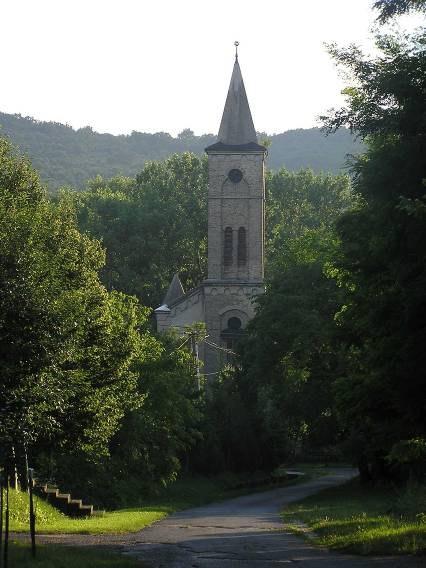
x=239, y=533
x=245, y=532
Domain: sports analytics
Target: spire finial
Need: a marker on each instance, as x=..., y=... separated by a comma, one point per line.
x=236, y=43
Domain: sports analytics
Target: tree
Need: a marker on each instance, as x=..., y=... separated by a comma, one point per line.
x=66, y=345
x=390, y=8
x=297, y=203
x=152, y=227
x=154, y=439
x=152, y=444
x=383, y=260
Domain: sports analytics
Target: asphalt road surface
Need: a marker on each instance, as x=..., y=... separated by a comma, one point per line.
x=246, y=532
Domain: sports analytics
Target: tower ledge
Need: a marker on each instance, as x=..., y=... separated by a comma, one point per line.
x=251, y=147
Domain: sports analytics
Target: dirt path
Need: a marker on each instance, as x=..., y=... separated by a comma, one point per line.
x=242, y=532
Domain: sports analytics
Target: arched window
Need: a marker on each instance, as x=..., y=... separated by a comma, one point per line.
x=242, y=246
x=234, y=324
x=227, y=247
x=231, y=335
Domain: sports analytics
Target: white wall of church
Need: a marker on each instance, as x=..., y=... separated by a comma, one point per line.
x=184, y=312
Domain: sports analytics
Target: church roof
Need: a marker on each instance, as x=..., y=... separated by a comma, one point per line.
x=174, y=292
x=236, y=132
x=163, y=309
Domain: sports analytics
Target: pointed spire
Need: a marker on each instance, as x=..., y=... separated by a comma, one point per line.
x=236, y=127
x=174, y=292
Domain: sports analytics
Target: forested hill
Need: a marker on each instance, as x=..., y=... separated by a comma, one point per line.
x=65, y=156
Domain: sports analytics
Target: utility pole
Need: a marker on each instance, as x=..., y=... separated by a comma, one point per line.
x=194, y=335
x=197, y=363
x=32, y=515
x=1, y=517
x=6, y=523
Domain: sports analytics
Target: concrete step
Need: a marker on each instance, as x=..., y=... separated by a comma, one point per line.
x=51, y=491
x=63, y=497
x=64, y=502
x=76, y=502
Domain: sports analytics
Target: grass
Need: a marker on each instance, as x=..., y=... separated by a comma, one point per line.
x=68, y=557
x=363, y=520
x=50, y=520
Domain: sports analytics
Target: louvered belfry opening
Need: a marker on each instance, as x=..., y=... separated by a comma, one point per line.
x=227, y=247
x=242, y=246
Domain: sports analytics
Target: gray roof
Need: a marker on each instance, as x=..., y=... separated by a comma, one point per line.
x=174, y=292
x=236, y=127
x=163, y=309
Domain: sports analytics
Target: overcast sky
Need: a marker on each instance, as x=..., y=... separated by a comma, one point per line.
x=165, y=65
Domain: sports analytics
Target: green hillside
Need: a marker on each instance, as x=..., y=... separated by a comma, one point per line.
x=65, y=156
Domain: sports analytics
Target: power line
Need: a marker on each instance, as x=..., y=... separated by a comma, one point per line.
x=180, y=346
x=215, y=346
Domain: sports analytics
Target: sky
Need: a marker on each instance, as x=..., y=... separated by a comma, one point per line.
x=165, y=65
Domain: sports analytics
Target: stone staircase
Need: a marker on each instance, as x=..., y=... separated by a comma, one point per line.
x=64, y=502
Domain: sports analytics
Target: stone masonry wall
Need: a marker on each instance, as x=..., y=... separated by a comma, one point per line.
x=236, y=205
x=221, y=303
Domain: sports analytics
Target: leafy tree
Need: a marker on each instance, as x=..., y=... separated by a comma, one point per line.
x=66, y=345
x=177, y=191
x=152, y=227
x=290, y=355
x=390, y=8
x=228, y=441
x=152, y=444
x=298, y=203
x=383, y=261
x=154, y=439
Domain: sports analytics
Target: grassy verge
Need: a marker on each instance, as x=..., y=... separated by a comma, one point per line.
x=68, y=557
x=183, y=494
x=363, y=520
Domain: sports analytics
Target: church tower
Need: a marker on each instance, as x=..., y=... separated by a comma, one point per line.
x=236, y=193
x=236, y=210
x=235, y=222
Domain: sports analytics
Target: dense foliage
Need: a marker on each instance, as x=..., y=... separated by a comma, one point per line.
x=64, y=156
x=62, y=369
x=383, y=263
x=79, y=365
x=390, y=8
x=148, y=450
x=152, y=226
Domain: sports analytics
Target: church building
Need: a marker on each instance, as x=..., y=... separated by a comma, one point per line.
x=236, y=213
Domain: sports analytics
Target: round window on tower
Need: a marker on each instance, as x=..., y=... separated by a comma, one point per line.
x=235, y=176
